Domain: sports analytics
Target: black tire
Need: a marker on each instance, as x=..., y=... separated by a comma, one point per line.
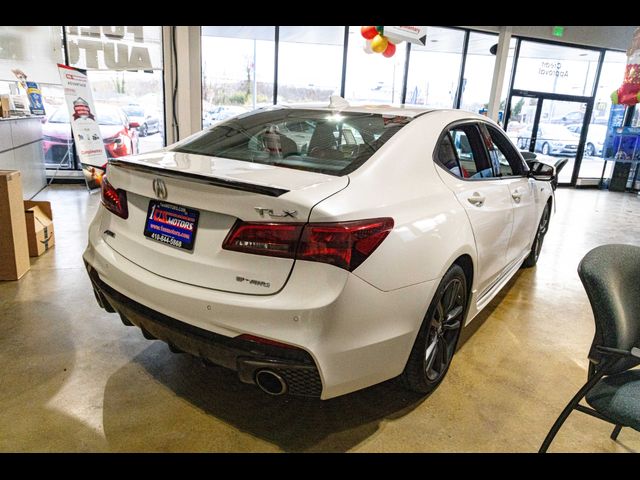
x=144, y=130
x=590, y=150
x=543, y=228
x=545, y=148
x=437, y=339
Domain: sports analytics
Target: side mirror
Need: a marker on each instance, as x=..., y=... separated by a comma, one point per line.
x=541, y=171
x=134, y=124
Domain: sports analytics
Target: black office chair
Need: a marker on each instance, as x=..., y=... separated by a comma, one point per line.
x=611, y=277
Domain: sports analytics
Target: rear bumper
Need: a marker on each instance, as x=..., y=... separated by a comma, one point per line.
x=354, y=334
x=295, y=366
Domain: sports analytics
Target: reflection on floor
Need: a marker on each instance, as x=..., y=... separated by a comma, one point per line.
x=75, y=379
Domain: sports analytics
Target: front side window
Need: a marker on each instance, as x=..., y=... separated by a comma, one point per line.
x=305, y=139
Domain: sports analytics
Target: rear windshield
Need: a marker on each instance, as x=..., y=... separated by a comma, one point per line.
x=312, y=140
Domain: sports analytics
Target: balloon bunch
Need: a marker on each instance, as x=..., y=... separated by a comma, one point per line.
x=377, y=42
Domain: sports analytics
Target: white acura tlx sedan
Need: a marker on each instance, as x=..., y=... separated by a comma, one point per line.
x=317, y=250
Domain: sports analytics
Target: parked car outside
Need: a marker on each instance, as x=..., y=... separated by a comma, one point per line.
x=571, y=117
x=323, y=269
x=596, y=135
x=552, y=139
x=149, y=123
x=516, y=130
x=118, y=134
x=221, y=113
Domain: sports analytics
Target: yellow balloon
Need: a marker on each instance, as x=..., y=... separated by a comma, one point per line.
x=379, y=44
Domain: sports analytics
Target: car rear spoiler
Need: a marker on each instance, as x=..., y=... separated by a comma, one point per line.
x=218, y=182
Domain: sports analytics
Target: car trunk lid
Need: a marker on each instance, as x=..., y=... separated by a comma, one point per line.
x=221, y=191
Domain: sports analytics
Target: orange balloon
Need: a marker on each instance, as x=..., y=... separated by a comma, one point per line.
x=368, y=31
x=390, y=50
x=379, y=44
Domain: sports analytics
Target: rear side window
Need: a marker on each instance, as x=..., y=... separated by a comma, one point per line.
x=447, y=156
x=470, y=153
x=305, y=139
x=465, y=153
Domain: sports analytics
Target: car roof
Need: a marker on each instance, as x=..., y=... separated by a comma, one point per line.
x=410, y=111
x=401, y=110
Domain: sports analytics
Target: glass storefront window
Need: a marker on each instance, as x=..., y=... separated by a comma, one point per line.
x=139, y=95
x=124, y=65
x=610, y=79
x=478, y=72
x=434, y=69
x=57, y=138
x=373, y=78
x=309, y=63
x=550, y=68
x=237, y=70
x=33, y=49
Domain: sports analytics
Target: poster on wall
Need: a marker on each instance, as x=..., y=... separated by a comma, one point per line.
x=84, y=124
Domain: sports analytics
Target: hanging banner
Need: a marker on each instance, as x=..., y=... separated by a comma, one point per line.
x=84, y=124
x=417, y=35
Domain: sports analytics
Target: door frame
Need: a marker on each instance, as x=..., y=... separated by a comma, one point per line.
x=541, y=97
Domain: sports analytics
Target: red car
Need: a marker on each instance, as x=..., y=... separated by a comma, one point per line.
x=119, y=135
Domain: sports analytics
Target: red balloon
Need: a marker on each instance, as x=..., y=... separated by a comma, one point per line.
x=368, y=32
x=390, y=50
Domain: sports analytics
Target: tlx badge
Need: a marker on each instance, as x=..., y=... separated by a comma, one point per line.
x=272, y=214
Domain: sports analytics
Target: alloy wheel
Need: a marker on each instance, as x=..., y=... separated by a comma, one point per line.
x=542, y=231
x=590, y=150
x=444, y=328
x=545, y=149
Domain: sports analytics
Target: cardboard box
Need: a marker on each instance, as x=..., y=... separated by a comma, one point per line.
x=39, y=227
x=14, y=249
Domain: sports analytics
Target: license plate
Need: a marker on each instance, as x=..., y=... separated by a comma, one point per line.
x=171, y=224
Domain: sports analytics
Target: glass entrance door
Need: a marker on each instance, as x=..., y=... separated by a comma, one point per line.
x=557, y=136
x=549, y=125
x=521, y=120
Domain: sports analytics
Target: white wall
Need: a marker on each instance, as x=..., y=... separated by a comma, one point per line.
x=615, y=37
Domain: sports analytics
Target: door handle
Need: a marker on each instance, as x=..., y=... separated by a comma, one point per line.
x=476, y=199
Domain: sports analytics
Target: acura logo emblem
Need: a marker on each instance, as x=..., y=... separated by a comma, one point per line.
x=160, y=188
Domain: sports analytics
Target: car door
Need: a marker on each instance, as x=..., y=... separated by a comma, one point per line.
x=512, y=172
x=152, y=121
x=485, y=198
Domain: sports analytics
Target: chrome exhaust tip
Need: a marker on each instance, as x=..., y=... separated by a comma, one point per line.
x=271, y=383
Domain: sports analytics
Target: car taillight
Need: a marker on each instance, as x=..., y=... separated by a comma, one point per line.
x=272, y=239
x=343, y=244
x=114, y=200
